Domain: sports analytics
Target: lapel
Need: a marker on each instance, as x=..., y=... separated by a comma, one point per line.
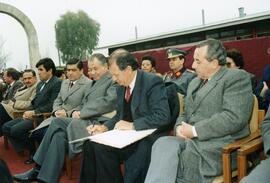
x=99, y=83
x=19, y=93
x=136, y=92
x=74, y=88
x=210, y=85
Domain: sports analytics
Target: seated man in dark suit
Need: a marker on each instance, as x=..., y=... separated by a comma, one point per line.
x=142, y=104
x=261, y=173
x=47, y=90
x=21, y=100
x=11, y=77
x=218, y=107
x=99, y=98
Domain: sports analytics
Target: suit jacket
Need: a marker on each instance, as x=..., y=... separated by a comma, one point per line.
x=10, y=92
x=265, y=126
x=149, y=105
x=182, y=82
x=69, y=99
x=98, y=100
x=23, y=100
x=43, y=101
x=220, y=112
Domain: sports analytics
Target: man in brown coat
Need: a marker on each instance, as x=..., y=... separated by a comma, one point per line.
x=21, y=100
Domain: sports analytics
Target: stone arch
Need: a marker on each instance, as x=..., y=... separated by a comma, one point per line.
x=29, y=28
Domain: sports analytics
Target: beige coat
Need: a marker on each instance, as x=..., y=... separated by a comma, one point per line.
x=23, y=101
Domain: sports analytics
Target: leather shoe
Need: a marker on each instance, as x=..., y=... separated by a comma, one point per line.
x=28, y=176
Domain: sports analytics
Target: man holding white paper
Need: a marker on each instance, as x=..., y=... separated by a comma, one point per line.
x=142, y=104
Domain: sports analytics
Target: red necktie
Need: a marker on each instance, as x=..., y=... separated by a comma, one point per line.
x=127, y=94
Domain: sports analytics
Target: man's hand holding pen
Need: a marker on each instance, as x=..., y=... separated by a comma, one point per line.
x=95, y=129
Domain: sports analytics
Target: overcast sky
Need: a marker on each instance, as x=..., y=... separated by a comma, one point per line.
x=117, y=18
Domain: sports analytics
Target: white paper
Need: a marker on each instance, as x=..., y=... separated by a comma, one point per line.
x=118, y=138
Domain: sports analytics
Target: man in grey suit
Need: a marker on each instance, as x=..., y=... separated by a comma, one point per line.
x=178, y=74
x=261, y=173
x=218, y=106
x=21, y=100
x=142, y=104
x=99, y=98
x=11, y=77
x=70, y=95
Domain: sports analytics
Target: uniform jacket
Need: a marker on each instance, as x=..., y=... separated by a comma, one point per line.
x=182, y=82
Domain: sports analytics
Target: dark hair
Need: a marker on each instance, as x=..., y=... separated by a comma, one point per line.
x=125, y=59
x=151, y=59
x=215, y=50
x=101, y=58
x=30, y=70
x=237, y=57
x=13, y=73
x=47, y=64
x=76, y=61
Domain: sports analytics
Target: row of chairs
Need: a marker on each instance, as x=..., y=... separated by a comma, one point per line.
x=243, y=147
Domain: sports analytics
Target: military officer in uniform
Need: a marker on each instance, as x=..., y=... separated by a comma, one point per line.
x=178, y=74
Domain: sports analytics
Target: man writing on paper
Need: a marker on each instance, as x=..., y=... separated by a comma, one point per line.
x=218, y=107
x=99, y=98
x=142, y=104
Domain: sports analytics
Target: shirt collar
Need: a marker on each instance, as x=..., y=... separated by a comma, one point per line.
x=132, y=84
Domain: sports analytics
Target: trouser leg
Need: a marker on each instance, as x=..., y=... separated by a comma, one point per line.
x=54, y=160
x=164, y=160
x=88, y=166
x=260, y=174
x=17, y=131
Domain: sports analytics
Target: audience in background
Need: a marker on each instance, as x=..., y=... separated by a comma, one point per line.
x=235, y=60
x=178, y=74
x=11, y=77
x=262, y=90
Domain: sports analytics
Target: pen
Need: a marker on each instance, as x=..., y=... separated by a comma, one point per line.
x=92, y=128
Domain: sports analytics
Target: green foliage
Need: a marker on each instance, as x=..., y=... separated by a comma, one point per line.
x=76, y=35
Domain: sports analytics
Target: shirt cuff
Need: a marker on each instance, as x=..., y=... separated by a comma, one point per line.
x=194, y=132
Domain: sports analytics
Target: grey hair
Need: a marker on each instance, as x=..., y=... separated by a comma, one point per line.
x=215, y=50
x=101, y=58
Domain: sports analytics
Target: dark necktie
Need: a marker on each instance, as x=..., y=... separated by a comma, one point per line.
x=127, y=94
x=203, y=82
x=71, y=84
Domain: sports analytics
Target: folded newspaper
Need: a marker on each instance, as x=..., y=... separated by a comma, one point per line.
x=117, y=138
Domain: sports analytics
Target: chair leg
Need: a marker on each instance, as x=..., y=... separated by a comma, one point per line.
x=68, y=162
x=6, y=142
x=242, y=166
x=227, y=172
